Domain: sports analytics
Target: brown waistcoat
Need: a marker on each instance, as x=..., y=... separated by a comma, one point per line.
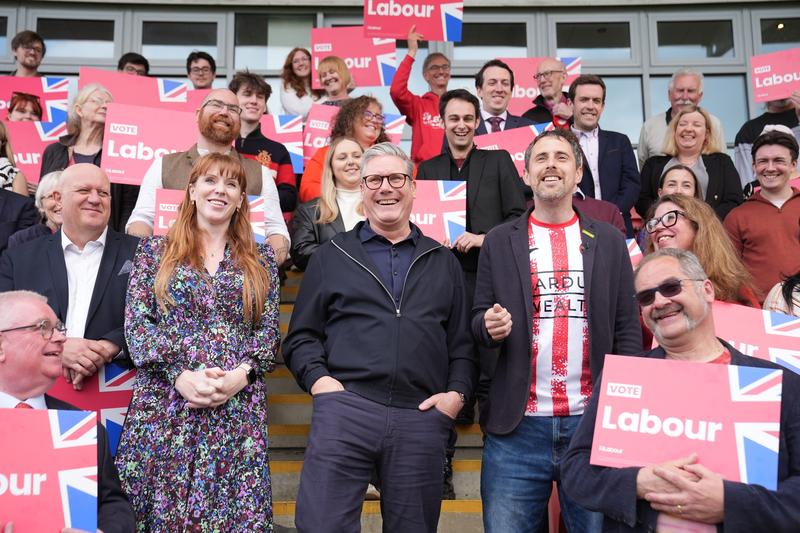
x=175, y=170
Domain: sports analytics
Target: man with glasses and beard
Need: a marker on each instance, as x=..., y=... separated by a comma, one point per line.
x=219, y=123
x=29, y=50
x=675, y=296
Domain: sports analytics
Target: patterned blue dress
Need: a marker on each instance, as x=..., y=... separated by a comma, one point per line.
x=197, y=469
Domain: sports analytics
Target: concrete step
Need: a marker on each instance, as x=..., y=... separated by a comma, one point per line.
x=286, y=466
x=290, y=286
x=458, y=516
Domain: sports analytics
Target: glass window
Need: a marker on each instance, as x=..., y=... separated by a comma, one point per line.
x=77, y=38
x=176, y=40
x=694, y=39
x=603, y=41
x=624, y=110
x=779, y=34
x=483, y=41
x=723, y=96
x=4, y=43
x=263, y=42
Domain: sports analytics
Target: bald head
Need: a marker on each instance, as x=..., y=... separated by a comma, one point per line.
x=550, y=76
x=85, y=202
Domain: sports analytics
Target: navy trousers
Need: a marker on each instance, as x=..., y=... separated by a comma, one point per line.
x=350, y=436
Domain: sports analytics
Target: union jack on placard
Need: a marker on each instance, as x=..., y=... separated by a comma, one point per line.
x=172, y=91
x=780, y=324
x=573, y=65
x=452, y=190
x=73, y=428
x=786, y=358
x=634, y=252
x=287, y=130
x=79, y=497
x=452, y=17
x=538, y=129
x=387, y=66
x=114, y=420
x=51, y=84
x=393, y=126
x=257, y=207
x=455, y=224
x=757, y=445
x=114, y=377
x=755, y=384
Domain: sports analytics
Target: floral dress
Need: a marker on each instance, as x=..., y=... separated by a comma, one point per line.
x=189, y=469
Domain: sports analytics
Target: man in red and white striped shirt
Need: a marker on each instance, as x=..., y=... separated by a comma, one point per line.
x=567, y=282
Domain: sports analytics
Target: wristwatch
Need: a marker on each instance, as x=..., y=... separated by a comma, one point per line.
x=251, y=373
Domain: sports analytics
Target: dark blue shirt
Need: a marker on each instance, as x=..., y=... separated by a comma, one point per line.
x=392, y=260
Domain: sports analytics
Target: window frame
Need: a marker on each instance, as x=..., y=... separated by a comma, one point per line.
x=630, y=17
x=221, y=19
x=61, y=64
x=733, y=16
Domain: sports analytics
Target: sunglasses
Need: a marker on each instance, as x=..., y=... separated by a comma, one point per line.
x=668, y=289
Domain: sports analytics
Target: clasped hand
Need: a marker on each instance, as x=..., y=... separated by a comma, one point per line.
x=210, y=387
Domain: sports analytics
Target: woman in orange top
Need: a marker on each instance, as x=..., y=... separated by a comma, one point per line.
x=360, y=118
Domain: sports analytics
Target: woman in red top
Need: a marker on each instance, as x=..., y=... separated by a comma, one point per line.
x=360, y=118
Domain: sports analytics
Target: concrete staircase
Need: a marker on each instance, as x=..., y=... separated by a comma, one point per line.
x=290, y=416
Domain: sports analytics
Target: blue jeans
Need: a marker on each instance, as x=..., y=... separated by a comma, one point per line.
x=518, y=473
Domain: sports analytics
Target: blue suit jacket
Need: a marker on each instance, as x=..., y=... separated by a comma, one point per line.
x=619, y=175
x=512, y=121
x=748, y=508
x=16, y=212
x=39, y=266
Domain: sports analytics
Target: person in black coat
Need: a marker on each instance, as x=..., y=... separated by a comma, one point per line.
x=17, y=212
x=690, y=142
x=337, y=209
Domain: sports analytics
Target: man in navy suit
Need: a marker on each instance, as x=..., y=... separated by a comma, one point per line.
x=31, y=342
x=609, y=168
x=16, y=212
x=82, y=270
x=494, y=83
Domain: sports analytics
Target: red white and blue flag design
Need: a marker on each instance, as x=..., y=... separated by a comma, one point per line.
x=108, y=393
x=452, y=19
x=287, y=130
x=51, y=84
x=172, y=91
x=440, y=209
x=436, y=20
x=634, y=252
x=728, y=415
x=763, y=334
x=51, y=469
x=47, y=89
x=393, y=126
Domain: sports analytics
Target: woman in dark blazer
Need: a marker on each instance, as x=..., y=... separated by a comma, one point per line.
x=690, y=141
x=338, y=208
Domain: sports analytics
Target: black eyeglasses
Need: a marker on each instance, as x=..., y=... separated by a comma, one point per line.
x=668, y=219
x=45, y=328
x=219, y=106
x=374, y=181
x=547, y=74
x=668, y=289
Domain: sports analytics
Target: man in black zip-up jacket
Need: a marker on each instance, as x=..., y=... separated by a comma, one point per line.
x=379, y=336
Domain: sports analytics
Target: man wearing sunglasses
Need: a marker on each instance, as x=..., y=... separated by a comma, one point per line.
x=555, y=294
x=675, y=296
x=218, y=123
x=31, y=343
x=379, y=337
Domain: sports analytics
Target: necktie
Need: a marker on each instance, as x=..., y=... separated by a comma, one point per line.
x=495, y=122
x=22, y=405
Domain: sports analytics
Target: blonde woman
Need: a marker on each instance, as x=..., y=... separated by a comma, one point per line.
x=692, y=141
x=338, y=207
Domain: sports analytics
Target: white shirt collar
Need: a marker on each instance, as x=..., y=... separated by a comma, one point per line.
x=592, y=133
x=9, y=402
x=65, y=241
x=485, y=114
